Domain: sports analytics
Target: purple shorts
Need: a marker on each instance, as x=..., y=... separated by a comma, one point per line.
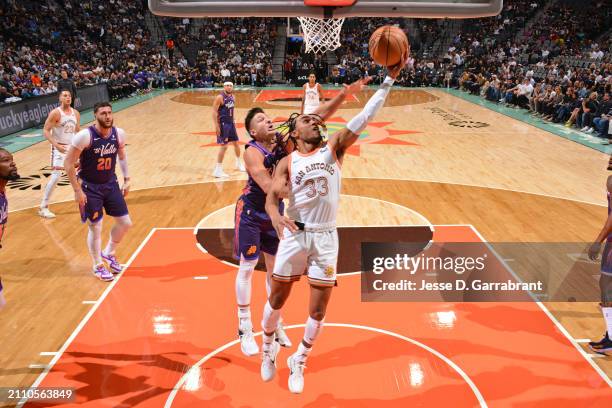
x=0, y=285
x=606, y=259
x=228, y=133
x=253, y=232
x=99, y=196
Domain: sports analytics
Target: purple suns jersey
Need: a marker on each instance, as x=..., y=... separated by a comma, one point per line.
x=98, y=161
x=3, y=209
x=226, y=111
x=252, y=193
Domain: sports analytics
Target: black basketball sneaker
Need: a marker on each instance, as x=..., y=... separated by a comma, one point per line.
x=602, y=346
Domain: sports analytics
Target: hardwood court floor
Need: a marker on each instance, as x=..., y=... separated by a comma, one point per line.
x=511, y=181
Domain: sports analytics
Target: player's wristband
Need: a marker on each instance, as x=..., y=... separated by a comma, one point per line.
x=388, y=81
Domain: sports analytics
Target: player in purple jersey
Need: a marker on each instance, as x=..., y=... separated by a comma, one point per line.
x=223, y=118
x=8, y=172
x=96, y=190
x=605, y=279
x=253, y=229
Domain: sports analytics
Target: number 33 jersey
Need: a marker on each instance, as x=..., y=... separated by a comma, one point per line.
x=315, y=187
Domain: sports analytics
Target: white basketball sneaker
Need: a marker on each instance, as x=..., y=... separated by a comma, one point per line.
x=268, y=362
x=281, y=336
x=296, y=374
x=44, y=212
x=248, y=345
x=239, y=165
x=219, y=173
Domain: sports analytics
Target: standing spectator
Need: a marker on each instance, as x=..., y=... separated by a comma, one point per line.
x=289, y=70
x=170, y=48
x=67, y=84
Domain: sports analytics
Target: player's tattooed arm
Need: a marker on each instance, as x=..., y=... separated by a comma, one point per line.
x=279, y=185
x=326, y=110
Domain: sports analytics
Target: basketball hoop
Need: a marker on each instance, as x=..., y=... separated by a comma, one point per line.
x=321, y=35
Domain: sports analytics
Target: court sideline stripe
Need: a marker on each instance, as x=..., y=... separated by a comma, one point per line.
x=549, y=314
x=78, y=329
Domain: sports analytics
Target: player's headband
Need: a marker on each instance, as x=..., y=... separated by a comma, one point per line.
x=228, y=83
x=289, y=125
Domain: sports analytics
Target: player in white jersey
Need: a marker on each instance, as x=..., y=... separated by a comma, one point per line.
x=313, y=94
x=309, y=240
x=61, y=124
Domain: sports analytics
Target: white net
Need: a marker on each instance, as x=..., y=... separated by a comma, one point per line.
x=321, y=35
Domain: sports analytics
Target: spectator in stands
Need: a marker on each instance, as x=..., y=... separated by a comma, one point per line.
x=523, y=93
x=601, y=115
x=4, y=94
x=549, y=104
x=602, y=124
x=589, y=107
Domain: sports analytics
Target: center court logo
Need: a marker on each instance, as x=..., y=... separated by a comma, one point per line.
x=37, y=181
x=375, y=133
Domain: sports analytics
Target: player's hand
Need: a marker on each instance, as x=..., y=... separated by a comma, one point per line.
x=62, y=149
x=394, y=70
x=357, y=85
x=218, y=131
x=594, y=251
x=125, y=189
x=80, y=198
x=280, y=223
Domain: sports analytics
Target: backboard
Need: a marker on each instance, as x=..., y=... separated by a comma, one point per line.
x=359, y=8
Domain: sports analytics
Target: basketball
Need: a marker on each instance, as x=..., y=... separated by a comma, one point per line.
x=387, y=45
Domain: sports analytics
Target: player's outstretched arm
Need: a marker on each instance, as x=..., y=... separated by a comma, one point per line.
x=321, y=95
x=326, y=110
x=281, y=176
x=303, y=98
x=343, y=139
x=604, y=233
